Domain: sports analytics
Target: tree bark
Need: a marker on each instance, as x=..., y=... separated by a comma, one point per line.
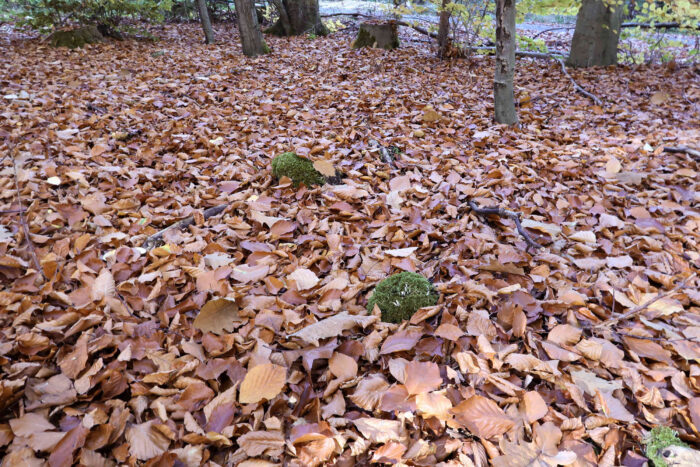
x=597, y=34
x=206, y=22
x=251, y=36
x=301, y=16
x=443, y=38
x=503, y=94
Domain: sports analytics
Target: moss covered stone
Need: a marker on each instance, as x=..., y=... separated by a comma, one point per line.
x=401, y=295
x=661, y=437
x=297, y=168
x=76, y=37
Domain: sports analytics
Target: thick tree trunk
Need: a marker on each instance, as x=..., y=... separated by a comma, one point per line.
x=206, y=22
x=503, y=95
x=597, y=34
x=443, y=37
x=251, y=36
x=302, y=17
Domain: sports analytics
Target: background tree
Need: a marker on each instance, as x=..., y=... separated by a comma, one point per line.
x=443, y=38
x=597, y=34
x=251, y=36
x=503, y=94
x=206, y=22
x=297, y=17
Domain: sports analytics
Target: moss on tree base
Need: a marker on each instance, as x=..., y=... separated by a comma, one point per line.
x=401, y=295
x=660, y=438
x=300, y=170
x=76, y=37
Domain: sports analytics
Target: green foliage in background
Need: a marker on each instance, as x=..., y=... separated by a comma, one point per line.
x=45, y=15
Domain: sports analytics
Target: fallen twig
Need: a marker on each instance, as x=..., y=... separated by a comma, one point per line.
x=153, y=240
x=22, y=220
x=694, y=153
x=509, y=214
x=638, y=309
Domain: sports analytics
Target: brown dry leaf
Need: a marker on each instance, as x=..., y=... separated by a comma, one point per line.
x=256, y=443
x=74, y=362
x=343, y=366
x=378, y=430
x=246, y=273
x=262, y=382
x=482, y=416
x=145, y=441
x=369, y=391
x=422, y=377
x=103, y=286
x=325, y=167
x=534, y=407
x=218, y=316
x=333, y=326
x=304, y=278
x=30, y=423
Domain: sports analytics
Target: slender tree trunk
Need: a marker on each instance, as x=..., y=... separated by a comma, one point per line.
x=597, y=34
x=503, y=94
x=443, y=37
x=302, y=17
x=206, y=22
x=251, y=36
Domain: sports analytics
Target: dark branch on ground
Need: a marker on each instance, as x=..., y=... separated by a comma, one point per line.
x=154, y=239
x=510, y=215
x=694, y=153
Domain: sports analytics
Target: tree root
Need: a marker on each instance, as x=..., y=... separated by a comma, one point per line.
x=510, y=215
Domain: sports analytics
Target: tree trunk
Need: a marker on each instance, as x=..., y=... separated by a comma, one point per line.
x=443, y=37
x=503, y=95
x=206, y=22
x=302, y=17
x=251, y=36
x=597, y=34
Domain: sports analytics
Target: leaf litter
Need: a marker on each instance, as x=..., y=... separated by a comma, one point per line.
x=243, y=337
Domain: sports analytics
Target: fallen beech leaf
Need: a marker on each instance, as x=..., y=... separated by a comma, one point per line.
x=145, y=441
x=483, y=417
x=534, y=406
x=304, y=278
x=343, y=366
x=422, y=377
x=246, y=273
x=401, y=252
x=333, y=326
x=325, y=167
x=262, y=382
x=378, y=430
x=256, y=443
x=217, y=316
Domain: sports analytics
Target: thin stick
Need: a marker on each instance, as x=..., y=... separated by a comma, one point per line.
x=23, y=221
x=153, y=240
x=509, y=214
x=638, y=309
x=694, y=153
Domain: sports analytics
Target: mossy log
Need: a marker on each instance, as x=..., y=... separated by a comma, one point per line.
x=74, y=38
x=381, y=35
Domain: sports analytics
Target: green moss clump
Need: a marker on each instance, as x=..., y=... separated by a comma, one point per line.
x=76, y=37
x=661, y=437
x=401, y=295
x=300, y=170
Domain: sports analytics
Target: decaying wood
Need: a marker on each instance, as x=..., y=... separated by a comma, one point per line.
x=154, y=239
x=510, y=215
x=638, y=309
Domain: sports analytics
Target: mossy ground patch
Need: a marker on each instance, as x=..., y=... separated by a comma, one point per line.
x=401, y=295
x=300, y=170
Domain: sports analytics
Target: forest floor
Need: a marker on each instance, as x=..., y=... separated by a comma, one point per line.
x=101, y=360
